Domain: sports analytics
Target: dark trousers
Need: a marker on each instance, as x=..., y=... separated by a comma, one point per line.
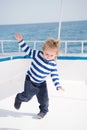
x=31, y=89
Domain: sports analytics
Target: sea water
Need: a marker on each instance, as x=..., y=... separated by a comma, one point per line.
x=72, y=30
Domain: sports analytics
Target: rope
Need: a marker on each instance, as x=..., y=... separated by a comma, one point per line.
x=60, y=20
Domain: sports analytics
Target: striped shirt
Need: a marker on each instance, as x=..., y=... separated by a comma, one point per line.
x=40, y=68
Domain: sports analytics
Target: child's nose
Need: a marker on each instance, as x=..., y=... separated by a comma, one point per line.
x=48, y=56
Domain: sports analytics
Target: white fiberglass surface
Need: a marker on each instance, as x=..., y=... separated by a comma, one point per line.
x=67, y=110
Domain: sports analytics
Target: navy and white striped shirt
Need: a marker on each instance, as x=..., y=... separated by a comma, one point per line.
x=40, y=68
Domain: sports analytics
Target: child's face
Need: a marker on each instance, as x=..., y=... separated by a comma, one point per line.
x=50, y=54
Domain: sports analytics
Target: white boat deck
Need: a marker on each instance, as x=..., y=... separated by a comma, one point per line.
x=67, y=110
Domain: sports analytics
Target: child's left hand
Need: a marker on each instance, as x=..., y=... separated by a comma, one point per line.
x=60, y=88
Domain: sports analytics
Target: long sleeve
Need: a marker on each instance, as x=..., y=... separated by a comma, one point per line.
x=26, y=48
x=55, y=77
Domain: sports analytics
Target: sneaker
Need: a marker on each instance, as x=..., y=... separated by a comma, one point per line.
x=41, y=115
x=17, y=103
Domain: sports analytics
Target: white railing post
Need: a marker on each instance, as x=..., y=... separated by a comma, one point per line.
x=2, y=47
x=65, y=47
x=34, y=44
x=19, y=48
x=82, y=47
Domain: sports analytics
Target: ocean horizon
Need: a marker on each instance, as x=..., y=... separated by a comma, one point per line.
x=72, y=30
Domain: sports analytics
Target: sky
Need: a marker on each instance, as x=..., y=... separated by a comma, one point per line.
x=40, y=11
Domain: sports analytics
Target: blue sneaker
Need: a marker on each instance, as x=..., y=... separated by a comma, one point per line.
x=41, y=115
x=17, y=103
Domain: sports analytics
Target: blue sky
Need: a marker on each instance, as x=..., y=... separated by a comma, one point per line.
x=36, y=11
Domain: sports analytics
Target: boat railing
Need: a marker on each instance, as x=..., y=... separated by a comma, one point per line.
x=67, y=47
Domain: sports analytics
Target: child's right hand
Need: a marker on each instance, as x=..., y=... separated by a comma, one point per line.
x=60, y=88
x=18, y=37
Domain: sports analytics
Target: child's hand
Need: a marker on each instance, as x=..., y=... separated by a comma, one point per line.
x=60, y=88
x=18, y=37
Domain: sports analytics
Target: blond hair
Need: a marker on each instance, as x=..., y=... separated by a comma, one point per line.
x=51, y=43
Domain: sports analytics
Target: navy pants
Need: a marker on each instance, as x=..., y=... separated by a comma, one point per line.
x=31, y=89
